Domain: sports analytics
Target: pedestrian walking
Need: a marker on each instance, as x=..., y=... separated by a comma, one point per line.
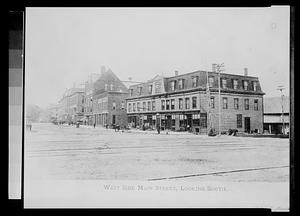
x=94, y=125
x=158, y=129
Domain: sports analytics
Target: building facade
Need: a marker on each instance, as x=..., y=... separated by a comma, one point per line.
x=109, y=97
x=191, y=102
x=71, y=106
x=276, y=115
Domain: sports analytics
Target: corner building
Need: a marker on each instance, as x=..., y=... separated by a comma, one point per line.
x=190, y=102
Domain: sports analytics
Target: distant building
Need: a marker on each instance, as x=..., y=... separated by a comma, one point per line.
x=71, y=105
x=273, y=121
x=183, y=102
x=109, y=96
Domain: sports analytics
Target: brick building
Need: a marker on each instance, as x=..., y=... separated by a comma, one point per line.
x=88, y=104
x=71, y=105
x=109, y=96
x=183, y=102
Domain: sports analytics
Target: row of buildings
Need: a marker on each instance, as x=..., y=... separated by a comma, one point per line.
x=181, y=102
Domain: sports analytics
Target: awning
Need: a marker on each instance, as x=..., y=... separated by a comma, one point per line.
x=275, y=119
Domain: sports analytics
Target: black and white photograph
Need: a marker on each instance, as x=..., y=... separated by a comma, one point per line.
x=157, y=107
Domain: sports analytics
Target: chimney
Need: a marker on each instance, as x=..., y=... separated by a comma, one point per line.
x=245, y=71
x=214, y=67
x=176, y=73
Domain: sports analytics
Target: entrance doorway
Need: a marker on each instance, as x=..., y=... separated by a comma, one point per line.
x=114, y=119
x=247, y=124
x=168, y=122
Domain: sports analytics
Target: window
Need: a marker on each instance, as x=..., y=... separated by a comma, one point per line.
x=157, y=87
x=144, y=106
x=153, y=105
x=133, y=107
x=138, y=108
x=235, y=84
x=140, y=90
x=114, y=105
x=194, y=102
x=111, y=87
x=212, y=102
x=172, y=104
x=180, y=103
x=162, y=105
x=254, y=85
x=181, y=84
x=236, y=103
x=187, y=103
x=246, y=104
x=173, y=85
x=255, y=104
x=82, y=101
x=149, y=105
x=150, y=89
x=105, y=87
x=245, y=85
x=195, y=81
x=129, y=107
x=224, y=83
x=82, y=110
x=131, y=92
x=225, y=103
x=167, y=104
x=239, y=121
x=211, y=81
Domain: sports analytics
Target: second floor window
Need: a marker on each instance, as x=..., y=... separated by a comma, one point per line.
x=195, y=81
x=187, y=103
x=236, y=103
x=180, y=103
x=255, y=104
x=153, y=105
x=167, y=104
x=224, y=83
x=133, y=107
x=212, y=102
x=129, y=107
x=149, y=105
x=181, y=84
x=172, y=104
x=235, y=84
x=246, y=101
x=131, y=92
x=162, y=105
x=138, y=107
x=245, y=85
x=194, y=102
x=144, y=106
x=225, y=103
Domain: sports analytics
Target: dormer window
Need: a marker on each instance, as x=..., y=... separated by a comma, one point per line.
x=105, y=87
x=111, y=87
x=181, y=84
x=245, y=85
x=173, y=85
x=224, y=83
x=211, y=81
x=140, y=90
x=254, y=84
x=195, y=81
x=150, y=89
x=131, y=92
x=235, y=84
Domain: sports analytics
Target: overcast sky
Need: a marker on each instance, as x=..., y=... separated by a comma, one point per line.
x=65, y=45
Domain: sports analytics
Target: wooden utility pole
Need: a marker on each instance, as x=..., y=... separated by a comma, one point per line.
x=219, y=69
x=281, y=88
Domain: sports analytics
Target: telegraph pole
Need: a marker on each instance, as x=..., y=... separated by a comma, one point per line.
x=281, y=88
x=219, y=69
